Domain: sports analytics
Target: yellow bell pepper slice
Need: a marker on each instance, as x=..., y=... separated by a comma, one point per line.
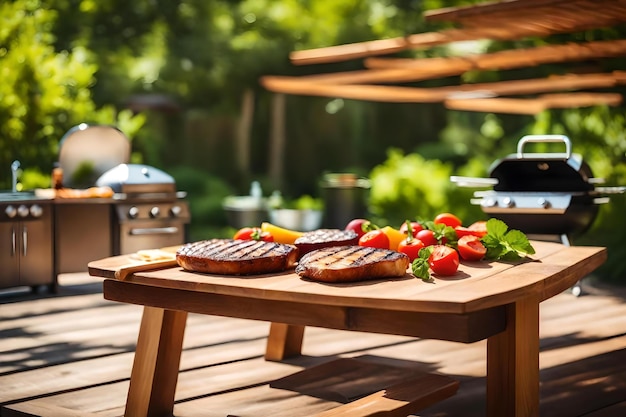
x=281, y=234
x=395, y=236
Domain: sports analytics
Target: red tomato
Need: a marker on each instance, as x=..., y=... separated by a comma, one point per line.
x=415, y=225
x=463, y=231
x=448, y=219
x=253, y=233
x=356, y=225
x=444, y=260
x=471, y=248
x=427, y=237
x=479, y=228
x=411, y=247
x=375, y=239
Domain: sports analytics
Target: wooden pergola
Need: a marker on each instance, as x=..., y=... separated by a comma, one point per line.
x=505, y=20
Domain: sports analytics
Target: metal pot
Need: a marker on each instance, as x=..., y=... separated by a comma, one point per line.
x=345, y=198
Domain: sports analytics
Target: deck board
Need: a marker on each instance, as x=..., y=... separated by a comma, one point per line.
x=71, y=353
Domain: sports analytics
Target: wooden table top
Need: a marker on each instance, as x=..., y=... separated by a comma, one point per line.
x=476, y=286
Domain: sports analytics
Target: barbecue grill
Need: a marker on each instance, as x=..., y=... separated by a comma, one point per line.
x=145, y=212
x=149, y=211
x=541, y=193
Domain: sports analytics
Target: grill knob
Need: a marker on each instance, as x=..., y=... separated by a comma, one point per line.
x=175, y=211
x=10, y=211
x=543, y=203
x=155, y=212
x=36, y=210
x=133, y=212
x=508, y=202
x=489, y=202
x=22, y=211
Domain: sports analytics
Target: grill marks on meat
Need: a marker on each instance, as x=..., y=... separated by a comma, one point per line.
x=323, y=238
x=236, y=257
x=352, y=263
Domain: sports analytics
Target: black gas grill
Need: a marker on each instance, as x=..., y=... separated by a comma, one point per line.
x=541, y=193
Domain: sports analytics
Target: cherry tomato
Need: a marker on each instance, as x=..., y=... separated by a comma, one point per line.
x=448, y=219
x=427, y=237
x=473, y=230
x=253, y=233
x=471, y=248
x=443, y=260
x=375, y=239
x=411, y=247
x=415, y=225
x=359, y=226
x=479, y=228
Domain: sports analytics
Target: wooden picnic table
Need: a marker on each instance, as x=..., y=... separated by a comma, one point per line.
x=496, y=301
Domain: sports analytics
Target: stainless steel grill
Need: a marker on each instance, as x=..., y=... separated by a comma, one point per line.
x=149, y=211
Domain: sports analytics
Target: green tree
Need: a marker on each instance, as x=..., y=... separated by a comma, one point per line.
x=44, y=91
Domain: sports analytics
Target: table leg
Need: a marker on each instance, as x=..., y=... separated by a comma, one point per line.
x=284, y=341
x=156, y=364
x=513, y=363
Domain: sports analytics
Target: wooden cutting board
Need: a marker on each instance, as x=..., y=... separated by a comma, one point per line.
x=148, y=260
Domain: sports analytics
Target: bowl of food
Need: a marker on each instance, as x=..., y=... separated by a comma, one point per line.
x=303, y=220
x=245, y=211
x=303, y=214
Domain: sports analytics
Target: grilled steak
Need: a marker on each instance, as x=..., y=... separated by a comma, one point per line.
x=352, y=263
x=323, y=238
x=236, y=257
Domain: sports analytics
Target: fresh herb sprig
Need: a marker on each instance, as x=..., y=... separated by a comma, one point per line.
x=420, y=267
x=504, y=244
x=441, y=232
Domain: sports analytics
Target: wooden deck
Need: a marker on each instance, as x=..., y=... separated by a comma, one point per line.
x=70, y=354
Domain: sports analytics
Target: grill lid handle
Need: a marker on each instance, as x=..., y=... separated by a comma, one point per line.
x=545, y=139
x=473, y=181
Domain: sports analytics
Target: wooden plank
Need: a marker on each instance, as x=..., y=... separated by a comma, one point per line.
x=498, y=105
x=501, y=60
x=532, y=106
x=457, y=96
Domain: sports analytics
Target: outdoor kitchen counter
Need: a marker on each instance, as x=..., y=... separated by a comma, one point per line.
x=485, y=300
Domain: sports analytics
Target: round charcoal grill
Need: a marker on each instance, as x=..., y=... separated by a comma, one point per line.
x=541, y=193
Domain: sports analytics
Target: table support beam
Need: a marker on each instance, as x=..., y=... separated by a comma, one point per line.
x=513, y=362
x=284, y=341
x=157, y=361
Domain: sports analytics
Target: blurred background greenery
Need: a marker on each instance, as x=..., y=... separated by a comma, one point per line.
x=174, y=75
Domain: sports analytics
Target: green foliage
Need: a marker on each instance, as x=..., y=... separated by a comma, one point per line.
x=44, y=92
x=505, y=244
x=412, y=187
x=205, y=194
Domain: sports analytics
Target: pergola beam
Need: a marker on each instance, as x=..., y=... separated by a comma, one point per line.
x=399, y=94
